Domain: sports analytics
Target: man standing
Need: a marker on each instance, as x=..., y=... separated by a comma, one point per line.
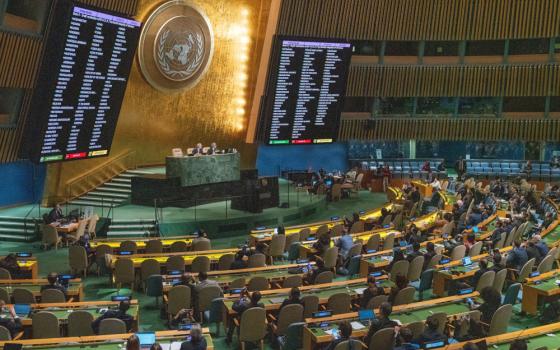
x=460, y=167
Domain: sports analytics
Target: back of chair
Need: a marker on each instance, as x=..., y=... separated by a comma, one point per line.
x=294, y=336
x=291, y=238
x=324, y=277
x=5, y=296
x=415, y=268
x=179, y=297
x=398, y=221
x=339, y=303
x=321, y=230
x=434, y=261
x=100, y=252
x=499, y=280
x=310, y=305
x=23, y=296
x=5, y=274
x=441, y=318
x=112, y=326
x=258, y=283
x=387, y=220
x=154, y=286
x=389, y=241
x=238, y=283
x=510, y=297
x=154, y=246
x=417, y=328
x=399, y=268
x=337, y=230
x=77, y=257
x=404, y=296
x=81, y=228
x=486, y=280
x=351, y=344
x=383, y=339
x=178, y=247
x=546, y=264
x=201, y=244
x=426, y=280
x=277, y=245
x=458, y=252
x=206, y=295
x=510, y=237
x=225, y=261
x=253, y=325
x=500, y=244
x=356, y=249
x=175, y=263
x=526, y=270
x=200, y=264
x=293, y=251
x=257, y=260
x=124, y=271
x=292, y=281
x=92, y=224
x=5, y=334
x=45, y=325
x=500, y=320
x=129, y=246
x=373, y=242
x=149, y=267
x=52, y=296
x=304, y=233
x=331, y=257
x=79, y=324
x=375, y=302
x=50, y=235
x=357, y=227
x=289, y=314
x=475, y=249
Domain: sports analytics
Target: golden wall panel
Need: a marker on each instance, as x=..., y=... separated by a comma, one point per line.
x=421, y=19
x=152, y=123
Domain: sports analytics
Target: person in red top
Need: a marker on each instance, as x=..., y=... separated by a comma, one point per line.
x=426, y=167
x=386, y=173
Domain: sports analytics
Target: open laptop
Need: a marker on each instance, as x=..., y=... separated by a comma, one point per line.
x=146, y=339
x=366, y=315
x=467, y=261
x=22, y=310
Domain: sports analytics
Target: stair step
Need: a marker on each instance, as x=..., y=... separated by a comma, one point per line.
x=107, y=195
x=133, y=222
x=116, y=190
x=139, y=172
x=106, y=200
x=7, y=237
x=15, y=230
x=123, y=180
x=119, y=185
x=86, y=202
x=15, y=224
x=14, y=219
x=132, y=227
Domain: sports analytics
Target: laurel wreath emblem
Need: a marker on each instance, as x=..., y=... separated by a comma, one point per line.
x=192, y=67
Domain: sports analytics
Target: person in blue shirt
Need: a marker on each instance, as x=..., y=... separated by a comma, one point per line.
x=344, y=244
x=541, y=246
x=517, y=257
x=474, y=218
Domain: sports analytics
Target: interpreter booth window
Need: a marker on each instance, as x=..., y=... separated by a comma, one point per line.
x=358, y=104
x=441, y=48
x=24, y=16
x=396, y=106
x=10, y=105
x=557, y=46
x=534, y=104
x=401, y=48
x=555, y=104
x=485, y=48
x=440, y=106
x=529, y=46
x=366, y=47
x=479, y=106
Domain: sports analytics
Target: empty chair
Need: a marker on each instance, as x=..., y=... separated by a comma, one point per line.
x=52, y=296
x=178, y=247
x=417, y=328
x=79, y=324
x=201, y=244
x=225, y=261
x=415, y=268
x=154, y=287
x=292, y=281
x=310, y=305
x=23, y=296
x=289, y=314
x=475, y=249
x=45, y=325
x=383, y=339
x=205, y=297
x=373, y=242
x=399, y=268
x=434, y=261
x=276, y=248
x=546, y=264
x=357, y=227
x=510, y=297
x=257, y=260
x=5, y=274
x=100, y=252
x=258, y=283
x=124, y=272
x=526, y=270
x=293, y=251
x=5, y=296
x=425, y=282
x=458, y=252
x=252, y=327
x=337, y=230
x=321, y=230
x=500, y=320
x=355, y=250
x=128, y=246
x=50, y=237
x=389, y=241
x=175, y=263
x=178, y=298
x=324, y=277
x=112, y=326
x=148, y=268
x=77, y=258
x=350, y=344
x=238, y=283
x=154, y=246
x=404, y=296
x=375, y=302
x=499, y=280
x=200, y=264
x=386, y=221
x=486, y=280
x=331, y=257
x=339, y=303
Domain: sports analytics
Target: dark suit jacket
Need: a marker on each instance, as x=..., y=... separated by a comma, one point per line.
x=113, y=314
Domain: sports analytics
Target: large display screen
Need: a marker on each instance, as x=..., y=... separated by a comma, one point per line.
x=305, y=92
x=81, y=85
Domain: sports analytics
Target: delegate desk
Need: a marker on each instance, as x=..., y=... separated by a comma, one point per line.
x=62, y=310
x=485, y=228
x=542, y=337
x=264, y=235
x=315, y=336
x=425, y=189
x=106, y=342
x=75, y=290
x=115, y=243
x=275, y=275
x=539, y=288
x=28, y=266
x=551, y=235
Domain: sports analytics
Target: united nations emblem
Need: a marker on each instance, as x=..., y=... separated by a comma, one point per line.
x=176, y=46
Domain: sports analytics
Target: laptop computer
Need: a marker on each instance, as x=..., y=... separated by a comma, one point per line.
x=467, y=261
x=366, y=315
x=22, y=310
x=120, y=298
x=146, y=339
x=433, y=344
x=465, y=291
x=475, y=229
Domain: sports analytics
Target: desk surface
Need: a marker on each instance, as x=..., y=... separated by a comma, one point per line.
x=141, y=242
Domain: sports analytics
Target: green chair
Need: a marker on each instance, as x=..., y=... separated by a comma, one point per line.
x=45, y=325
x=5, y=296
x=215, y=313
x=510, y=297
x=354, y=266
x=293, y=251
x=293, y=339
x=112, y=326
x=5, y=274
x=154, y=287
x=79, y=324
x=425, y=282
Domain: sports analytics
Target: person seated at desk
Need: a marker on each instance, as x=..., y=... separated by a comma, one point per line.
x=540, y=244
x=344, y=244
x=405, y=338
x=470, y=241
x=186, y=280
x=382, y=322
x=528, y=168
x=370, y=292
x=401, y=283
x=55, y=215
x=482, y=269
x=518, y=344
x=475, y=217
x=351, y=175
x=260, y=248
x=436, y=184
x=497, y=264
x=213, y=149
x=241, y=305
x=120, y=313
x=517, y=257
x=492, y=300
x=11, y=322
x=430, y=253
x=198, y=150
x=345, y=332
x=426, y=167
x=197, y=341
x=349, y=222
x=415, y=252
x=240, y=261
x=533, y=252
x=10, y=263
x=203, y=282
x=52, y=278
x=293, y=298
x=398, y=255
x=431, y=332
x=183, y=316
x=133, y=343
x=322, y=244
x=555, y=162
x=441, y=166
x=319, y=267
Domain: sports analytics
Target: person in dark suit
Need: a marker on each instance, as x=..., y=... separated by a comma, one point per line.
x=415, y=252
x=517, y=257
x=213, y=149
x=55, y=214
x=431, y=332
x=120, y=313
x=345, y=330
x=319, y=268
x=293, y=298
x=12, y=322
x=53, y=283
x=198, y=150
x=197, y=341
x=383, y=321
x=10, y=263
x=243, y=304
x=405, y=337
x=430, y=253
x=370, y=292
